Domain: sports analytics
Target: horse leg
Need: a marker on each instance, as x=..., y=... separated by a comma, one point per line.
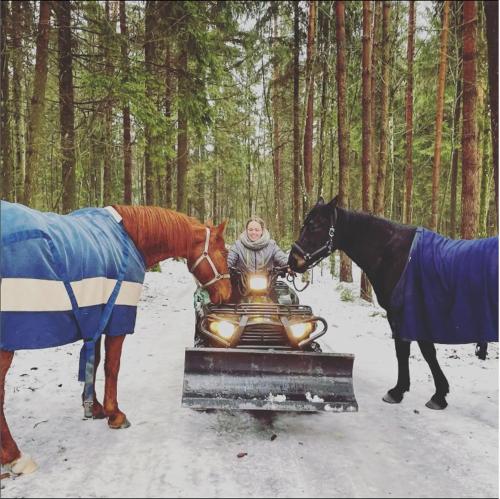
x=10, y=455
x=395, y=395
x=97, y=409
x=481, y=350
x=438, y=400
x=117, y=418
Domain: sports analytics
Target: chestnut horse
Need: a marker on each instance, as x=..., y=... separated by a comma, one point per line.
x=434, y=289
x=97, y=271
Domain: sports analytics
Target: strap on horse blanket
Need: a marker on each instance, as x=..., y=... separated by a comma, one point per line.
x=448, y=292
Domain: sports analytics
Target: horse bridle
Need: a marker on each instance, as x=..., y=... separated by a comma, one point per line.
x=205, y=256
x=315, y=257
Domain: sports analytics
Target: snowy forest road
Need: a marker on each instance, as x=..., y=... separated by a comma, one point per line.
x=383, y=450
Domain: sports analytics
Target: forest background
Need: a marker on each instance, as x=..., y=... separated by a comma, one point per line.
x=224, y=109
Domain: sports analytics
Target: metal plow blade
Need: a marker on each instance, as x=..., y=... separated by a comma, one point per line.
x=237, y=379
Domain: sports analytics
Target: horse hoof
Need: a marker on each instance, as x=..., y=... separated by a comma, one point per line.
x=390, y=399
x=126, y=423
x=434, y=405
x=22, y=465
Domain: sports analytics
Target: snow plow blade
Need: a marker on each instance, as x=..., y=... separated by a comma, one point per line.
x=241, y=379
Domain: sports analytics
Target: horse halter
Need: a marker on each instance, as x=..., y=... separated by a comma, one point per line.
x=205, y=256
x=315, y=257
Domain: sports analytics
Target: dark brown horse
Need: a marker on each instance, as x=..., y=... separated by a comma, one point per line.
x=448, y=294
x=156, y=234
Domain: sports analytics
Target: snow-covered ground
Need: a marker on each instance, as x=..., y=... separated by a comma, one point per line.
x=383, y=450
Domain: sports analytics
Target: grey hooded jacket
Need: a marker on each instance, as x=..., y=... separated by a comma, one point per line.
x=251, y=260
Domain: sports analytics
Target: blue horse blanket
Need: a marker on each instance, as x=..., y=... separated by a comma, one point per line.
x=448, y=292
x=66, y=277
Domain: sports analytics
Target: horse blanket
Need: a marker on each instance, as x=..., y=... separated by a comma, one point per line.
x=66, y=277
x=448, y=292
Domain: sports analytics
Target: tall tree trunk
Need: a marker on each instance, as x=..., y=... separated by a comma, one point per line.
x=456, y=119
x=454, y=159
x=486, y=174
x=18, y=97
x=376, y=36
x=469, y=130
x=308, y=131
x=277, y=146
x=324, y=24
x=37, y=101
x=408, y=205
x=215, y=185
x=366, y=292
x=491, y=9
x=149, y=54
x=66, y=106
x=170, y=161
x=436, y=168
x=127, y=143
x=379, y=202
x=343, y=131
x=108, y=112
x=7, y=159
x=296, y=122
x=182, y=130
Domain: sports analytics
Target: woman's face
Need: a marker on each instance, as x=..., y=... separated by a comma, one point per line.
x=254, y=231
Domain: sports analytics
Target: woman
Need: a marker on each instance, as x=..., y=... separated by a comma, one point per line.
x=255, y=251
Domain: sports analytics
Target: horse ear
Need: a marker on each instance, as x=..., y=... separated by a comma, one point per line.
x=209, y=223
x=221, y=228
x=320, y=201
x=333, y=202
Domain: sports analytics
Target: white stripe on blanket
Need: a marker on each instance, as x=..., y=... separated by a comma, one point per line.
x=42, y=295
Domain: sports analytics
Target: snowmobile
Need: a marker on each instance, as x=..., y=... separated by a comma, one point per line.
x=259, y=352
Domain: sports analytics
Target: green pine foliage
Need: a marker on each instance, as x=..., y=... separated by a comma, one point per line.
x=232, y=56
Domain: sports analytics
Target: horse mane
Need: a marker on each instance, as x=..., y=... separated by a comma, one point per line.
x=159, y=233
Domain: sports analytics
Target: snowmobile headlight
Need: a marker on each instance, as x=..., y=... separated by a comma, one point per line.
x=224, y=329
x=301, y=329
x=257, y=282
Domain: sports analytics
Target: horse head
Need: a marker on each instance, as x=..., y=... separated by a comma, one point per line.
x=317, y=236
x=207, y=261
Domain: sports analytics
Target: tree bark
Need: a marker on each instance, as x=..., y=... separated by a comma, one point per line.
x=343, y=132
x=7, y=159
x=491, y=9
x=170, y=162
x=37, y=101
x=127, y=143
x=149, y=55
x=18, y=97
x=375, y=93
x=454, y=160
x=436, y=169
x=66, y=106
x=486, y=174
x=182, y=130
x=456, y=119
x=108, y=113
x=379, y=202
x=366, y=292
x=408, y=205
x=469, y=131
x=308, y=131
x=296, y=122
x=324, y=29
x=277, y=146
